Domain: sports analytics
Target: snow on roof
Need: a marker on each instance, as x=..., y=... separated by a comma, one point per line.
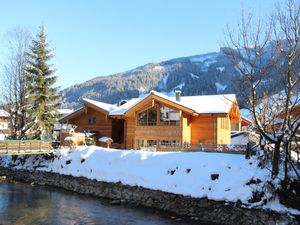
x=246, y=119
x=209, y=103
x=201, y=104
x=65, y=111
x=3, y=113
x=107, y=107
x=105, y=139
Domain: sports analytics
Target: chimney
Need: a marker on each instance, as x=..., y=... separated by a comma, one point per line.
x=178, y=95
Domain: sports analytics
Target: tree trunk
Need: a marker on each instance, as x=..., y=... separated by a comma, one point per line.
x=276, y=157
x=285, y=182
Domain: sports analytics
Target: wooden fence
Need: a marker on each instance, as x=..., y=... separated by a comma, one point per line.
x=21, y=147
x=222, y=148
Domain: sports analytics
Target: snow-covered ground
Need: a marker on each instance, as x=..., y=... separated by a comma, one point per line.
x=180, y=173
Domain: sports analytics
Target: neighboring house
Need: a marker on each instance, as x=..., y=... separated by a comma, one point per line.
x=58, y=127
x=157, y=119
x=245, y=123
x=4, y=124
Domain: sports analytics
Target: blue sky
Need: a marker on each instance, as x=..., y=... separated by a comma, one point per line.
x=93, y=37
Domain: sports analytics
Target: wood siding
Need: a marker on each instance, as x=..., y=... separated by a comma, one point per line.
x=158, y=133
x=129, y=132
x=223, y=130
x=203, y=129
x=103, y=125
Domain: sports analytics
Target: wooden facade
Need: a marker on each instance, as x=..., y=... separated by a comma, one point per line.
x=150, y=123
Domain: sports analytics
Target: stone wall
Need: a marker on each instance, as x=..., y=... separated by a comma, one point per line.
x=207, y=211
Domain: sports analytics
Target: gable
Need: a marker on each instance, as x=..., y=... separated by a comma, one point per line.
x=150, y=101
x=82, y=112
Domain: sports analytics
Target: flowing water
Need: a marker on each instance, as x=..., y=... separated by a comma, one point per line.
x=39, y=205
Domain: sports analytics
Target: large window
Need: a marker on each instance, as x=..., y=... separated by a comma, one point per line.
x=148, y=117
x=166, y=117
x=169, y=116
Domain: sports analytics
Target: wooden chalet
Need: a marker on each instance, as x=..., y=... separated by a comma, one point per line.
x=157, y=119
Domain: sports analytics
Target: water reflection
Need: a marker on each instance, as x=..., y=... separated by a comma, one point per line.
x=26, y=204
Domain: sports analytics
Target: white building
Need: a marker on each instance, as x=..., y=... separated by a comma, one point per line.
x=4, y=124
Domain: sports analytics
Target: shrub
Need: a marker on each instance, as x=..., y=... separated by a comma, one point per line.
x=90, y=141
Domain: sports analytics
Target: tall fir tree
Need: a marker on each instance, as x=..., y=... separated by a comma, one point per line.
x=42, y=97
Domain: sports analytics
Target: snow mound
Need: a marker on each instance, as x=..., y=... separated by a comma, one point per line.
x=105, y=139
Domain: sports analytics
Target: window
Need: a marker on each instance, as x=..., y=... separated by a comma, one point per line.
x=147, y=145
x=169, y=116
x=148, y=117
x=92, y=120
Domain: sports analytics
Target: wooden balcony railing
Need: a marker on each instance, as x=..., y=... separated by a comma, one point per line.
x=164, y=123
x=223, y=148
x=22, y=147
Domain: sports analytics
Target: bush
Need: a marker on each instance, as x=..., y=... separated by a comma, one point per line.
x=90, y=141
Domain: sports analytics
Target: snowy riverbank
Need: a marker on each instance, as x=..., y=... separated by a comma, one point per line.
x=217, y=176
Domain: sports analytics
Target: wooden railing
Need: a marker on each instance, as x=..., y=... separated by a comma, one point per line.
x=236, y=149
x=161, y=123
x=21, y=147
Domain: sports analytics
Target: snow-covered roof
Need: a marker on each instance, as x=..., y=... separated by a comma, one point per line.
x=246, y=119
x=209, y=103
x=65, y=111
x=105, y=106
x=3, y=113
x=200, y=104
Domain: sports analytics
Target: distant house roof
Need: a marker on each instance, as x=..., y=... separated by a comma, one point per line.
x=3, y=113
x=65, y=111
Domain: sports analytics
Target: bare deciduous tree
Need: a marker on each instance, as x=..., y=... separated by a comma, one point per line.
x=258, y=47
x=14, y=79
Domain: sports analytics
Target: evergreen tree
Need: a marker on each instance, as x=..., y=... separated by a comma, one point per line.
x=42, y=96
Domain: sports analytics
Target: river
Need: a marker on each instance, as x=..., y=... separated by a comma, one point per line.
x=22, y=203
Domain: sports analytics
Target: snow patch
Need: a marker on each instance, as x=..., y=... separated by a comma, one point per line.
x=194, y=76
x=3, y=113
x=162, y=84
x=205, y=60
x=221, y=68
x=220, y=87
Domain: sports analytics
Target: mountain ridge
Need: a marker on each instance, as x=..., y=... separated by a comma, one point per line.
x=209, y=73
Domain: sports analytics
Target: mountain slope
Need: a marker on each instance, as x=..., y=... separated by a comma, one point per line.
x=211, y=73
